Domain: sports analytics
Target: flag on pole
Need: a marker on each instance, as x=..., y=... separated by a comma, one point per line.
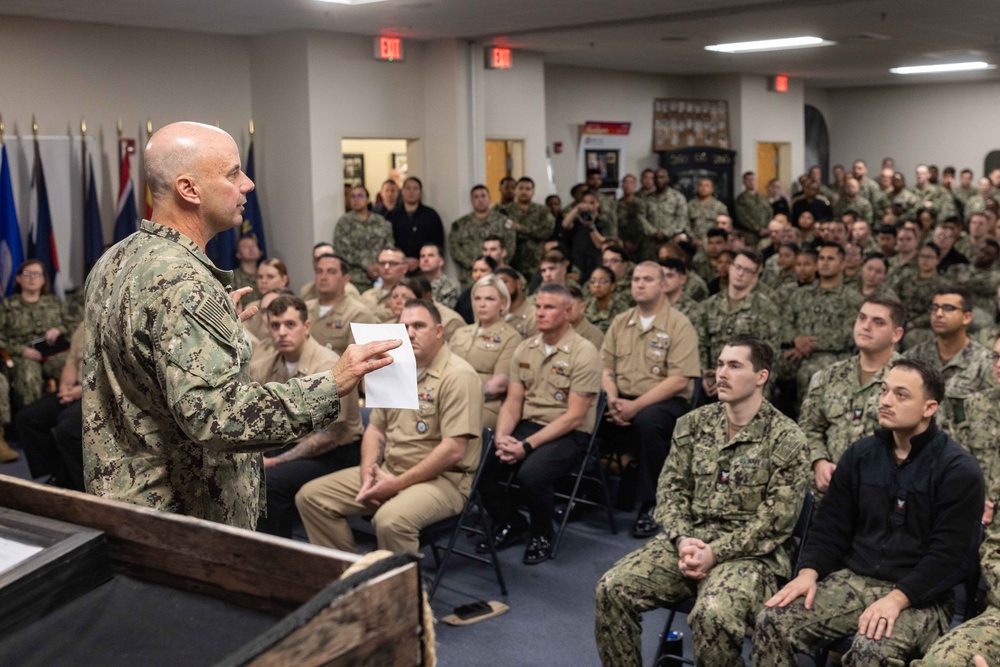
x=11, y=250
x=221, y=249
x=41, y=238
x=253, y=222
x=125, y=220
x=93, y=235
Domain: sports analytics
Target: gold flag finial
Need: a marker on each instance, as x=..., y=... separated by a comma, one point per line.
x=149, y=127
x=121, y=128
x=83, y=127
x=251, y=128
x=34, y=126
x=1, y=128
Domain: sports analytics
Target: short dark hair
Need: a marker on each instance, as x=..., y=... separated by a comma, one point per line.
x=576, y=189
x=716, y=232
x=494, y=237
x=958, y=290
x=427, y=305
x=810, y=250
x=315, y=247
x=345, y=266
x=888, y=229
x=490, y=262
x=751, y=255
x=794, y=247
x=761, y=354
x=931, y=377
x=617, y=250
x=897, y=313
x=525, y=179
x=879, y=256
x=416, y=180
x=832, y=244
x=933, y=246
x=555, y=257
x=509, y=272
x=676, y=264
x=949, y=171
x=605, y=270
x=575, y=292
x=594, y=172
x=436, y=246
x=286, y=301
x=747, y=173
x=478, y=186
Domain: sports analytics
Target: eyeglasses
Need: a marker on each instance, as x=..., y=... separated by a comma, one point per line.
x=945, y=308
x=33, y=274
x=391, y=265
x=744, y=270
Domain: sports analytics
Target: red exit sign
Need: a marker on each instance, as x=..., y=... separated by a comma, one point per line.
x=388, y=48
x=498, y=57
x=779, y=83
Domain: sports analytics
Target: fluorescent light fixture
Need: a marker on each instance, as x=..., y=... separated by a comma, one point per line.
x=770, y=45
x=948, y=67
x=350, y=2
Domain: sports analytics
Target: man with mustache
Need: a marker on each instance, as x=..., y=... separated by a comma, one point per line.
x=890, y=541
x=727, y=499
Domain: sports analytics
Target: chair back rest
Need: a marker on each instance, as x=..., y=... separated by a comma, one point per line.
x=484, y=455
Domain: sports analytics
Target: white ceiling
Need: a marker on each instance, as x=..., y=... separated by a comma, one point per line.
x=662, y=36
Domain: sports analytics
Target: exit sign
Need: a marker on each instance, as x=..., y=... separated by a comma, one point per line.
x=388, y=48
x=497, y=57
x=779, y=83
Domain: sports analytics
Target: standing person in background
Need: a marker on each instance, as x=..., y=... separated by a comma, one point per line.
x=388, y=198
x=533, y=224
x=467, y=234
x=245, y=273
x=359, y=236
x=415, y=224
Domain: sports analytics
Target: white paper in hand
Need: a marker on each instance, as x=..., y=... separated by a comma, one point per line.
x=394, y=386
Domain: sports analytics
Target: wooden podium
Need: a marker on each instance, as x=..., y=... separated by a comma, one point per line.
x=251, y=599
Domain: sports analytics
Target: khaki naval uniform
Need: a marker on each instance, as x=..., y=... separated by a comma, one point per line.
x=489, y=352
x=308, y=291
x=332, y=330
x=523, y=319
x=450, y=406
x=548, y=379
x=285, y=479
x=641, y=359
x=377, y=300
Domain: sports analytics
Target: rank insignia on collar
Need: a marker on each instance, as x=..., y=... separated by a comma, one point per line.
x=858, y=412
x=724, y=477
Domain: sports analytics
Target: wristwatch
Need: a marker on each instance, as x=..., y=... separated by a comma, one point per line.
x=527, y=447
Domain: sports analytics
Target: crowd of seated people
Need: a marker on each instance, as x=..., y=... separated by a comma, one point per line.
x=824, y=342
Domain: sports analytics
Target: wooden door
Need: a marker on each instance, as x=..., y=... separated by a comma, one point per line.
x=496, y=166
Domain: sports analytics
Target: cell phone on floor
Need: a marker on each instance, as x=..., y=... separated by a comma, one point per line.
x=473, y=610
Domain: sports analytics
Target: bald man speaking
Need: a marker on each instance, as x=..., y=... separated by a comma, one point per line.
x=171, y=418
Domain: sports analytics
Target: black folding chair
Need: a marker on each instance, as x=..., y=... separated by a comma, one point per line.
x=800, y=533
x=472, y=519
x=591, y=470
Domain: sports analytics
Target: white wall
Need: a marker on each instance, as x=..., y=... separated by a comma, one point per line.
x=766, y=116
x=944, y=124
x=574, y=95
x=62, y=72
x=515, y=108
x=280, y=82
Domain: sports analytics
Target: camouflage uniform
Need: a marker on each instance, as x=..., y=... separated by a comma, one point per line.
x=975, y=204
x=980, y=434
x=753, y=212
x=962, y=197
x=633, y=222
x=916, y=294
x=981, y=283
x=860, y=205
x=536, y=226
x=668, y=212
x=742, y=497
x=696, y=287
x=465, y=240
x=968, y=372
x=168, y=405
x=702, y=215
x=838, y=411
x=870, y=190
x=243, y=279
x=909, y=203
x=981, y=635
x=828, y=314
x=445, y=290
x=940, y=200
x=602, y=318
x=360, y=242
x=718, y=322
x=690, y=308
x=22, y=322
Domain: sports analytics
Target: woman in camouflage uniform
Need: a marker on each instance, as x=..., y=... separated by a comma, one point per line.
x=27, y=316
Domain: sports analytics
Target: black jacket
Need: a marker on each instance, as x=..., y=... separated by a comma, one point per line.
x=914, y=524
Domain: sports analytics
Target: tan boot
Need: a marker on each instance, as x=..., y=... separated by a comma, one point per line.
x=6, y=453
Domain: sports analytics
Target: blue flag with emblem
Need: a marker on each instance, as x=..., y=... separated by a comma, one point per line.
x=11, y=250
x=253, y=222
